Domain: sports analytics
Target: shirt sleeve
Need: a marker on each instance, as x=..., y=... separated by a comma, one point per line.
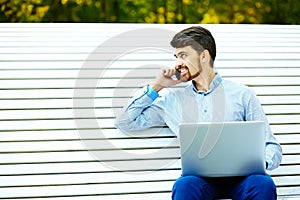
x=141, y=113
x=254, y=112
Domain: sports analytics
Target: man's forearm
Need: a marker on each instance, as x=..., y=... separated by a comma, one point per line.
x=140, y=114
x=274, y=155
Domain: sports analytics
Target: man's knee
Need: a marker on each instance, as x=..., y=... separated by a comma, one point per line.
x=262, y=182
x=261, y=186
x=191, y=187
x=185, y=183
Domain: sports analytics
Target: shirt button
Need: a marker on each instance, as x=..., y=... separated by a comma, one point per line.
x=205, y=110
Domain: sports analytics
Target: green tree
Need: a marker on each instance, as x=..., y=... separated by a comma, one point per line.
x=23, y=10
x=152, y=11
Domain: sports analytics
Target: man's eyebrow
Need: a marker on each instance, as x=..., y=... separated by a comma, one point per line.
x=179, y=53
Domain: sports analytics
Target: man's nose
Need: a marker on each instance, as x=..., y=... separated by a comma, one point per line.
x=179, y=62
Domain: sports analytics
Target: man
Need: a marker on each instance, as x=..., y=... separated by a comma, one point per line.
x=208, y=98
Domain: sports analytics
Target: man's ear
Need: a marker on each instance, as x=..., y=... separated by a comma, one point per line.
x=205, y=56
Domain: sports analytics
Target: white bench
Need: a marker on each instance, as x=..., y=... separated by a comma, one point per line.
x=50, y=146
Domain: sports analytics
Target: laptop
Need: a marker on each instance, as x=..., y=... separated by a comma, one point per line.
x=220, y=149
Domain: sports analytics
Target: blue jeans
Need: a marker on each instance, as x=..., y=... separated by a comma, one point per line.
x=260, y=187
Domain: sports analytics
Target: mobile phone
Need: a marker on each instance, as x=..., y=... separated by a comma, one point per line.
x=177, y=74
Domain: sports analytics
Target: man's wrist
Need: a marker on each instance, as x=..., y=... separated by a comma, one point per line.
x=155, y=86
x=151, y=93
x=269, y=163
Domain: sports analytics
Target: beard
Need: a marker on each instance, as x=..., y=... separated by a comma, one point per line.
x=189, y=76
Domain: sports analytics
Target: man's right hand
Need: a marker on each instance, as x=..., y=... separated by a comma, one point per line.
x=164, y=79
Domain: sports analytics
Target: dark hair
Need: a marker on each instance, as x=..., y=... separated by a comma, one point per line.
x=198, y=38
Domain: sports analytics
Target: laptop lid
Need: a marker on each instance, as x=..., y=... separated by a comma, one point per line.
x=218, y=149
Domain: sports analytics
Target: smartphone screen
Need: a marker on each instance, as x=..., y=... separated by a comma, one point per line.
x=177, y=74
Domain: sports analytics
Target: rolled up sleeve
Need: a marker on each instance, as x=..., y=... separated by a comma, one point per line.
x=141, y=112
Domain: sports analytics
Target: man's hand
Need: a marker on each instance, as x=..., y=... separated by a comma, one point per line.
x=164, y=79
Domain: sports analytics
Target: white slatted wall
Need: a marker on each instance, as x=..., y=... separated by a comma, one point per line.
x=44, y=155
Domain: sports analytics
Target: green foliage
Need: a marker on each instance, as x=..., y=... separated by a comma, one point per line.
x=152, y=11
x=23, y=10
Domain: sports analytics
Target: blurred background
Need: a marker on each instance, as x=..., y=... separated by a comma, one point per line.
x=152, y=11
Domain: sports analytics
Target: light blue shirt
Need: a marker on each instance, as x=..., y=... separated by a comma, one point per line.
x=225, y=101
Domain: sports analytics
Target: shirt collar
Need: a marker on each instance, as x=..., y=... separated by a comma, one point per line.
x=213, y=85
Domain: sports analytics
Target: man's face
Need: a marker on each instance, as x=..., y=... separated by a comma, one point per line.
x=188, y=63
